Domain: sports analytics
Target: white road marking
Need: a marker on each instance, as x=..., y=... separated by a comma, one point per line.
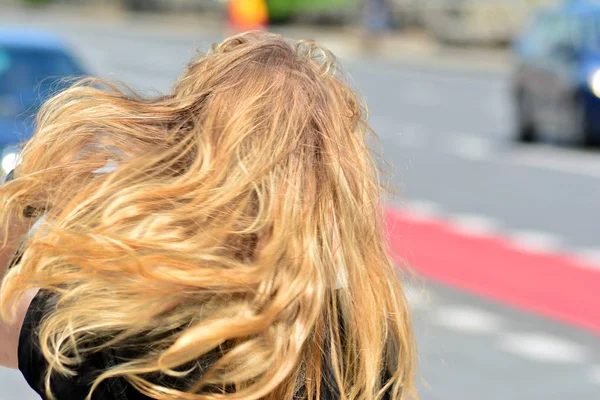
x=590, y=258
x=420, y=75
x=422, y=209
x=536, y=241
x=470, y=147
x=556, y=159
x=474, y=224
x=595, y=375
x=467, y=319
x=544, y=348
x=481, y=225
x=417, y=297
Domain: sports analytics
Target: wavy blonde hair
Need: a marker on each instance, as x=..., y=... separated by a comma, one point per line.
x=236, y=205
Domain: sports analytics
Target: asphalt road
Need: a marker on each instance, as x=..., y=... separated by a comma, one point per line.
x=447, y=135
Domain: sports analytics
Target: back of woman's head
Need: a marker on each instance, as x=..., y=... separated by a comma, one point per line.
x=235, y=219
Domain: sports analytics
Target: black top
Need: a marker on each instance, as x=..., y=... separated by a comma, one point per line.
x=33, y=366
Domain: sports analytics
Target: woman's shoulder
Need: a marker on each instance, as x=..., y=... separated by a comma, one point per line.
x=34, y=366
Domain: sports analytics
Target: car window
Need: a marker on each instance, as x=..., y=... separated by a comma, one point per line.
x=558, y=33
x=537, y=35
x=551, y=31
x=577, y=31
x=28, y=76
x=592, y=34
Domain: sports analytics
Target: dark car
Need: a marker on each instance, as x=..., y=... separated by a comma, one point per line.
x=557, y=77
x=33, y=66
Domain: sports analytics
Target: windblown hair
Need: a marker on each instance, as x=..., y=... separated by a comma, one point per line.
x=237, y=218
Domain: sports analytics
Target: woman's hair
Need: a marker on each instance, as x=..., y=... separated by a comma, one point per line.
x=236, y=219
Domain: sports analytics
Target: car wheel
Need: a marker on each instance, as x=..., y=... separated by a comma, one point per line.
x=583, y=133
x=524, y=122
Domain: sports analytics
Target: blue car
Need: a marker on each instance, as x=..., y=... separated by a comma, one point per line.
x=33, y=66
x=557, y=76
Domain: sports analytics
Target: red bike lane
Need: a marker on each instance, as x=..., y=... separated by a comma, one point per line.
x=554, y=285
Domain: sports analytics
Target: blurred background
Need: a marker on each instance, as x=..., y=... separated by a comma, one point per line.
x=489, y=113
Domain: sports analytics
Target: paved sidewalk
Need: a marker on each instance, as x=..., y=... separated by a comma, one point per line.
x=413, y=48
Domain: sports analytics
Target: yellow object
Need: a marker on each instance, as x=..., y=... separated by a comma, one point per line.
x=248, y=14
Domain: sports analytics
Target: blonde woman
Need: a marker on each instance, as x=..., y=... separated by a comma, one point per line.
x=224, y=241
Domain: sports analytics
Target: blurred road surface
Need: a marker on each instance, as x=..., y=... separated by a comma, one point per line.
x=447, y=135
